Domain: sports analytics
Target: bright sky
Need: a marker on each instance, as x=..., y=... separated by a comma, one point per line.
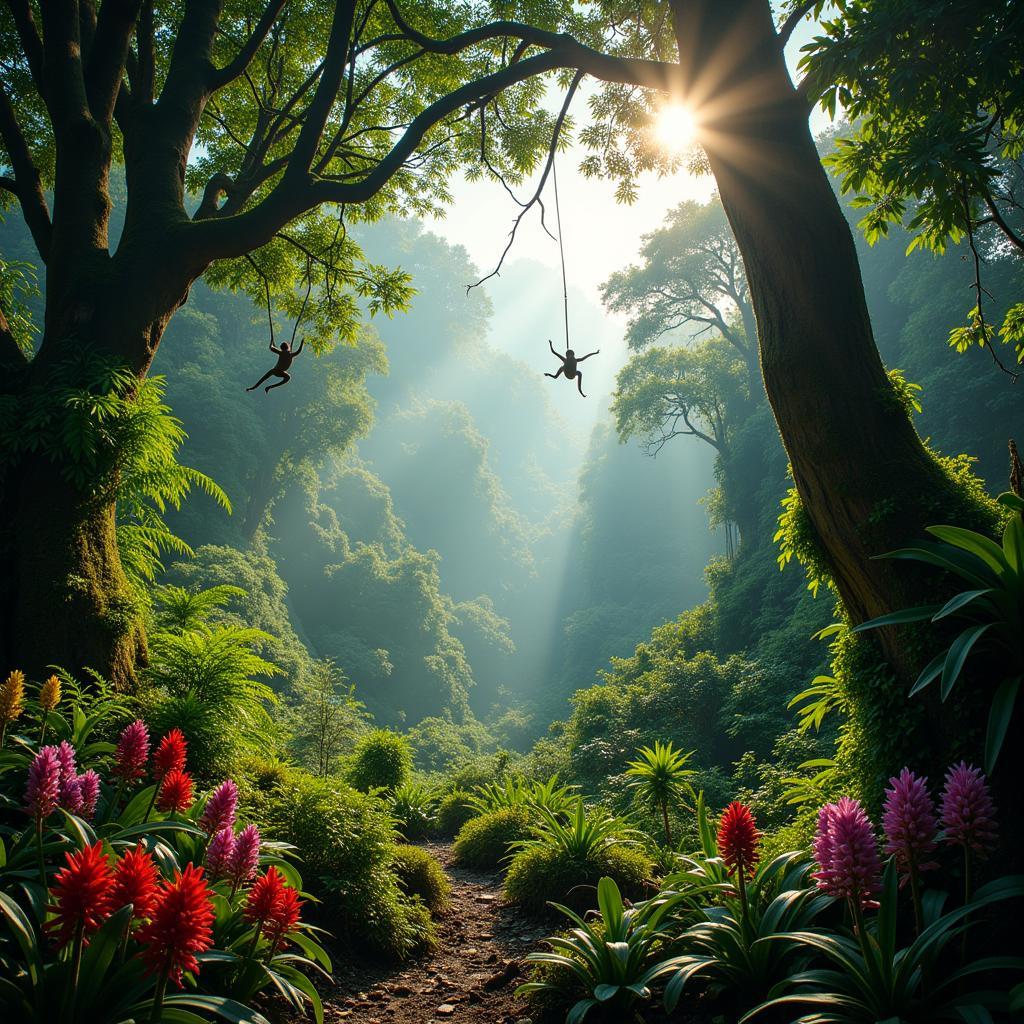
x=601, y=235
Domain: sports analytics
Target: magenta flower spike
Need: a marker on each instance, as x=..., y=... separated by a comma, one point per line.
x=245, y=856
x=968, y=813
x=132, y=752
x=220, y=853
x=847, y=853
x=42, y=792
x=89, y=787
x=219, y=812
x=66, y=756
x=909, y=821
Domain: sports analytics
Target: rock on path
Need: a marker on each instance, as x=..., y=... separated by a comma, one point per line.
x=471, y=977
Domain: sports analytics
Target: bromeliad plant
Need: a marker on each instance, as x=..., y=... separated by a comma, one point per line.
x=107, y=910
x=580, y=835
x=517, y=792
x=414, y=809
x=870, y=979
x=989, y=612
x=614, y=956
x=725, y=948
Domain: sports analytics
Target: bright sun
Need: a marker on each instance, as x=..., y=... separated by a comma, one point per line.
x=675, y=127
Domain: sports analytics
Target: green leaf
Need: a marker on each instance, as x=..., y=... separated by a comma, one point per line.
x=906, y=615
x=959, y=649
x=975, y=543
x=999, y=717
x=930, y=672
x=954, y=604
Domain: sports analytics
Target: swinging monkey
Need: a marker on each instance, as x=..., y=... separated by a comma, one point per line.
x=569, y=364
x=285, y=356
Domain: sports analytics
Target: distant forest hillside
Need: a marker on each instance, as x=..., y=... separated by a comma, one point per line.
x=462, y=535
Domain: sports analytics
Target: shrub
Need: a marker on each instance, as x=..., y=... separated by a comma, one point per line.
x=212, y=754
x=346, y=839
x=382, y=760
x=420, y=874
x=453, y=812
x=413, y=807
x=542, y=874
x=483, y=842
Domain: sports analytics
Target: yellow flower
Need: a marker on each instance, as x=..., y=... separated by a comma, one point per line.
x=12, y=697
x=49, y=694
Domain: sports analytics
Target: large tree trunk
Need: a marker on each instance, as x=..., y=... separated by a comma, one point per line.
x=866, y=481
x=865, y=478
x=66, y=600
x=64, y=597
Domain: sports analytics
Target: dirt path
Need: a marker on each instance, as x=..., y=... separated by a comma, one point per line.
x=469, y=980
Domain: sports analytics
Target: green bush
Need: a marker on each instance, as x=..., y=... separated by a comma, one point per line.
x=346, y=842
x=413, y=807
x=544, y=874
x=483, y=842
x=453, y=812
x=382, y=760
x=212, y=754
x=420, y=874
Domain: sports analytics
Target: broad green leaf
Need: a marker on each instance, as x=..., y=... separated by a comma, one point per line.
x=959, y=649
x=999, y=716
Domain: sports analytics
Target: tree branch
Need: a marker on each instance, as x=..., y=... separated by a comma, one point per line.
x=31, y=42
x=28, y=184
x=1012, y=237
x=326, y=92
x=787, y=28
x=108, y=54
x=243, y=58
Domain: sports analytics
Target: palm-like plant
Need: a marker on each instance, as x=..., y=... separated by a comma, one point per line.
x=413, y=806
x=871, y=980
x=613, y=957
x=180, y=610
x=514, y=791
x=990, y=611
x=220, y=669
x=493, y=796
x=659, y=775
x=579, y=835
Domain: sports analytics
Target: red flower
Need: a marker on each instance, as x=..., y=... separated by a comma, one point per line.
x=81, y=895
x=264, y=896
x=175, y=792
x=284, y=918
x=135, y=881
x=170, y=754
x=180, y=925
x=738, y=838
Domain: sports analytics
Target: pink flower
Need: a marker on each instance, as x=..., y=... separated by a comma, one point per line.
x=43, y=789
x=219, y=812
x=847, y=852
x=219, y=853
x=70, y=797
x=89, y=787
x=66, y=756
x=968, y=813
x=71, y=794
x=132, y=752
x=245, y=856
x=909, y=821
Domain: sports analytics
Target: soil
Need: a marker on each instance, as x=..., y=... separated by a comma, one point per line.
x=470, y=979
